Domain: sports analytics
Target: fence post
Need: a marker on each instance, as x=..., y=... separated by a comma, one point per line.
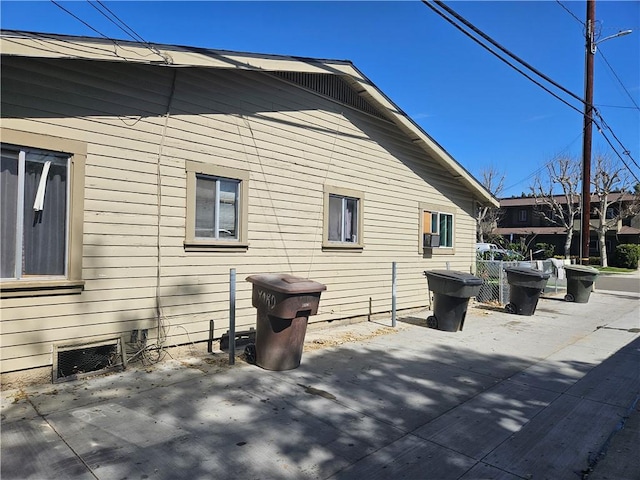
x=393, y=294
x=232, y=316
x=500, y=283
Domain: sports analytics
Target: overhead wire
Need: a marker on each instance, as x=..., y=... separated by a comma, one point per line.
x=486, y=37
x=619, y=156
x=101, y=12
x=537, y=72
x=43, y=39
x=486, y=47
x=606, y=126
x=148, y=45
x=122, y=25
x=80, y=20
x=544, y=165
x=570, y=12
x=613, y=106
x=618, y=78
x=625, y=151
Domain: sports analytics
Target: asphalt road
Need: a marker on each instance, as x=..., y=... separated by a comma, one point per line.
x=619, y=283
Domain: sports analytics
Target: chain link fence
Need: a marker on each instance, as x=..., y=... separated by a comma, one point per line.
x=495, y=287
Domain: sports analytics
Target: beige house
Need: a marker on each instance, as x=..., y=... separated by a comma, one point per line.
x=135, y=176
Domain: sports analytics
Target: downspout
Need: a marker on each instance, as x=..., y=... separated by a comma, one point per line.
x=159, y=314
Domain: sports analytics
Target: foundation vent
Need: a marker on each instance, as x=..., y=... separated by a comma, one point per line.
x=72, y=362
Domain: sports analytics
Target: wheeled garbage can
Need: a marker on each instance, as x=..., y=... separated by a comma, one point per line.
x=284, y=303
x=580, y=280
x=451, y=292
x=525, y=286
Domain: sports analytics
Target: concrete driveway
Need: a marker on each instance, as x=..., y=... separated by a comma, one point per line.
x=510, y=397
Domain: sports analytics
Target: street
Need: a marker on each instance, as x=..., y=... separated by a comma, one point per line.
x=619, y=283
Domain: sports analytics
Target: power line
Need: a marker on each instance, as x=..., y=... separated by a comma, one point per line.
x=618, y=154
x=41, y=39
x=93, y=4
x=544, y=165
x=493, y=42
x=80, y=20
x=625, y=151
x=122, y=25
x=115, y=43
x=55, y=41
x=614, y=106
x=570, y=12
x=503, y=59
x=503, y=49
x=618, y=78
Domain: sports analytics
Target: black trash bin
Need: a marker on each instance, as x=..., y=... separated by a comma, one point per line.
x=525, y=286
x=284, y=304
x=580, y=280
x=451, y=293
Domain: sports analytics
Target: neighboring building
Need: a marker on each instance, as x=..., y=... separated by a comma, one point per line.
x=167, y=166
x=521, y=218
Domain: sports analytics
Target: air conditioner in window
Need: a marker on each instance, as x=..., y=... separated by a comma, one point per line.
x=431, y=240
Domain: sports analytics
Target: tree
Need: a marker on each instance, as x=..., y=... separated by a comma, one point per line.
x=486, y=216
x=559, y=209
x=615, y=203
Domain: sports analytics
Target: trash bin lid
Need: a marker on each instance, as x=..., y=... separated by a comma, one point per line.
x=285, y=283
x=528, y=272
x=460, y=277
x=582, y=269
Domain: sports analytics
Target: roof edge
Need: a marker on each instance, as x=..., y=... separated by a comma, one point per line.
x=44, y=45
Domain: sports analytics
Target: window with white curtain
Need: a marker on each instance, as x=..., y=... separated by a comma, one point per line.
x=34, y=187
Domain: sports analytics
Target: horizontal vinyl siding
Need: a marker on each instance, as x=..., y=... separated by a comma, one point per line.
x=291, y=141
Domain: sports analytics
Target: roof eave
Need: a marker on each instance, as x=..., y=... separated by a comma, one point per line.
x=38, y=45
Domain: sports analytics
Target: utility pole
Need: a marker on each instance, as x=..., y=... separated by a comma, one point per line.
x=590, y=50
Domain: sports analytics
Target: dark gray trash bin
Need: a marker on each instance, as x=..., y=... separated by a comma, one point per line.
x=451, y=293
x=580, y=279
x=284, y=305
x=525, y=286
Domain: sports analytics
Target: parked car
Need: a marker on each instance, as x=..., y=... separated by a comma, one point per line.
x=506, y=255
x=490, y=251
x=485, y=247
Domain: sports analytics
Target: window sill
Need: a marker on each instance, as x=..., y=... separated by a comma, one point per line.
x=438, y=251
x=195, y=246
x=40, y=288
x=342, y=246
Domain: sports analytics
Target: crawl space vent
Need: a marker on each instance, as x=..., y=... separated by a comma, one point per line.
x=71, y=362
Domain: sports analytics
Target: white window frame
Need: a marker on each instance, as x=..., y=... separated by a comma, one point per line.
x=344, y=194
x=216, y=173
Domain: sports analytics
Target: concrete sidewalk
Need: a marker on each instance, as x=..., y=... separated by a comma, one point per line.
x=510, y=397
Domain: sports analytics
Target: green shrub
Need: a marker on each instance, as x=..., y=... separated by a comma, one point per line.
x=627, y=256
x=595, y=260
x=516, y=247
x=548, y=250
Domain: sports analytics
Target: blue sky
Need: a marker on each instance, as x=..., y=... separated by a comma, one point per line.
x=480, y=110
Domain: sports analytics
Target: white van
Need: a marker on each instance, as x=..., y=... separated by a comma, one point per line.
x=485, y=247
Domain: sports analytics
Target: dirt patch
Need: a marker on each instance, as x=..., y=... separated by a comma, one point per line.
x=195, y=355
x=333, y=339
